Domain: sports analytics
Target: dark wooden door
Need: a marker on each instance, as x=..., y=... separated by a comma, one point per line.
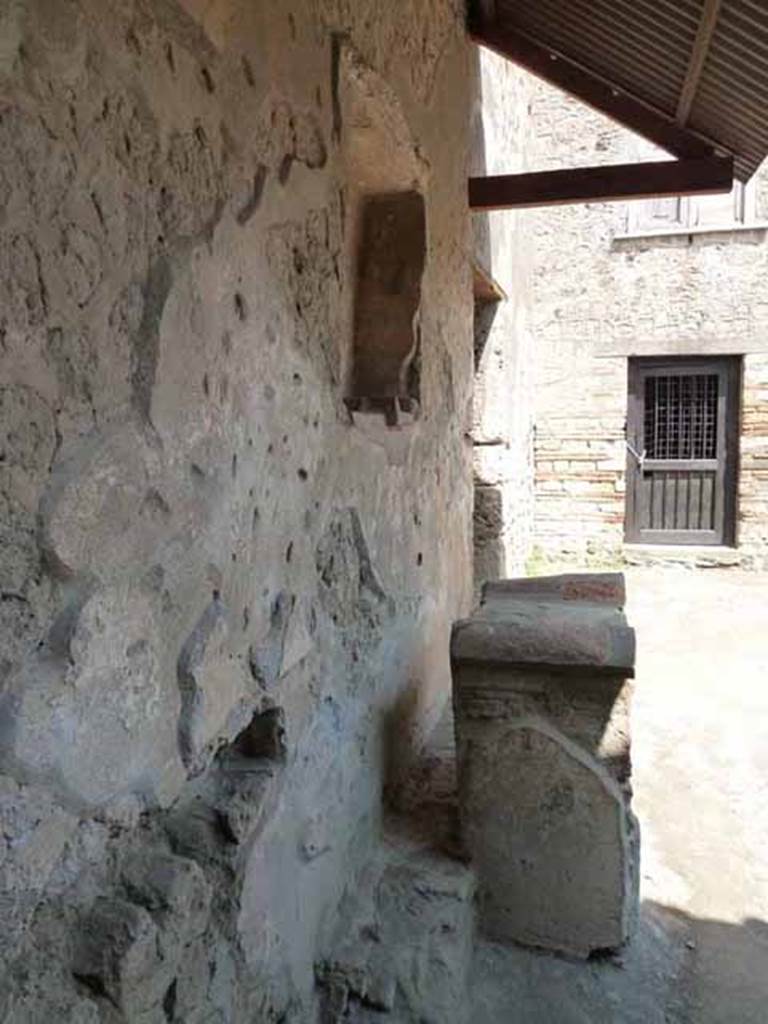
x=682, y=447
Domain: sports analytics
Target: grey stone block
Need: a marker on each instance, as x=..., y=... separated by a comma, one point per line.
x=211, y=686
x=175, y=892
x=245, y=797
x=35, y=831
x=404, y=940
x=595, y=588
x=119, y=955
x=100, y=511
x=542, y=706
x=551, y=842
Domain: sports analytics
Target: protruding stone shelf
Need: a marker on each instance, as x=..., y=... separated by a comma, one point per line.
x=385, y=422
x=541, y=701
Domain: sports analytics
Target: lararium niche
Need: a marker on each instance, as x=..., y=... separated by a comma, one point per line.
x=388, y=293
x=387, y=244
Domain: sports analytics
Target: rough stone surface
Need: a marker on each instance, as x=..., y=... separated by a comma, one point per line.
x=405, y=940
x=118, y=954
x=600, y=298
x=194, y=532
x=211, y=686
x=642, y=987
x=543, y=760
x=35, y=831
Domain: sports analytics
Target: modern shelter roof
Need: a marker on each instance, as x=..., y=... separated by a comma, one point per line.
x=691, y=75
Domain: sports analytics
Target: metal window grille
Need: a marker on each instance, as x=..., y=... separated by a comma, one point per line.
x=681, y=416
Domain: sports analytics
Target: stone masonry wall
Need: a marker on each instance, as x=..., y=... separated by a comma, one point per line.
x=225, y=606
x=599, y=299
x=502, y=430
x=753, y=482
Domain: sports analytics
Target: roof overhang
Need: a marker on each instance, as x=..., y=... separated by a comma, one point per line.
x=698, y=176
x=689, y=75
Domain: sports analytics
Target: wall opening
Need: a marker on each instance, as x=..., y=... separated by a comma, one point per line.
x=390, y=265
x=387, y=246
x=262, y=739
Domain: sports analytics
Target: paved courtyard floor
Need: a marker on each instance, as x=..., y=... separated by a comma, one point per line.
x=700, y=751
x=701, y=777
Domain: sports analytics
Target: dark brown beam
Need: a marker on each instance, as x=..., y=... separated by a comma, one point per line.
x=602, y=184
x=701, y=44
x=590, y=88
x=483, y=10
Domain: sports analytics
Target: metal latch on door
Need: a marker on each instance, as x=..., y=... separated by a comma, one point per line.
x=633, y=451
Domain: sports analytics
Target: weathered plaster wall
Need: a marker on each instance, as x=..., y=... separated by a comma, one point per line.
x=194, y=532
x=502, y=420
x=599, y=300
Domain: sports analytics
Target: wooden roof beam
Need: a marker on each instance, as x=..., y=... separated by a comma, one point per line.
x=701, y=44
x=591, y=89
x=483, y=10
x=703, y=176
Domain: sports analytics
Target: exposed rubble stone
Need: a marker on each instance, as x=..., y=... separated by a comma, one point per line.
x=404, y=940
x=119, y=957
x=349, y=588
x=34, y=832
x=175, y=892
x=211, y=685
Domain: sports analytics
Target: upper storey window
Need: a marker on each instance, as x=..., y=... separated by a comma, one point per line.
x=683, y=213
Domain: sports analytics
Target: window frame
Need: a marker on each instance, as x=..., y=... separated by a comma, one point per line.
x=640, y=221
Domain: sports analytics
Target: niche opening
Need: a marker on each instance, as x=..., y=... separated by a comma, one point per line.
x=390, y=266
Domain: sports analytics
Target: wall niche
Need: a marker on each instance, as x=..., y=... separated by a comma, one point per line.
x=390, y=266
x=386, y=247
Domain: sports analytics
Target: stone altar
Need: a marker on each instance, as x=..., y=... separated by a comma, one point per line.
x=542, y=687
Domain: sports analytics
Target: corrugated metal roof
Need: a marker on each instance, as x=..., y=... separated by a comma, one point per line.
x=645, y=49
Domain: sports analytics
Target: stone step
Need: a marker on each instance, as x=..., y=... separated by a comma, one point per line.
x=687, y=555
x=404, y=943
